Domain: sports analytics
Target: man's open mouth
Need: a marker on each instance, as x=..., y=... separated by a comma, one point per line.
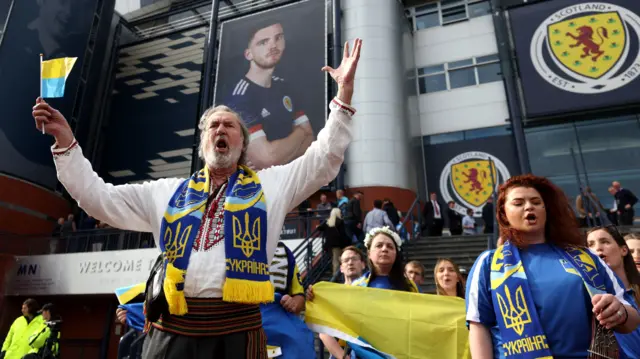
x=221, y=145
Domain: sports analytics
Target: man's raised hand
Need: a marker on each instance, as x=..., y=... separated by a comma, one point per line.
x=54, y=123
x=345, y=74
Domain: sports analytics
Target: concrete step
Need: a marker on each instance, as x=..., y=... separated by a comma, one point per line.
x=463, y=250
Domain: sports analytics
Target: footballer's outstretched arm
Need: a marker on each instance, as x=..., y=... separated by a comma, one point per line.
x=306, y=126
x=264, y=153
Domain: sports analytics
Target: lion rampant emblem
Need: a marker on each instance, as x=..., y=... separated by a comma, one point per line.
x=585, y=38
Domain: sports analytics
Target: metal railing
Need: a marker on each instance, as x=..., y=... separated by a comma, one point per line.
x=297, y=225
x=130, y=345
x=95, y=240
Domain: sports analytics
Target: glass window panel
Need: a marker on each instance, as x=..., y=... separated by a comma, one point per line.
x=489, y=73
x=480, y=8
x=183, y=16
x=454, y=14
x=427, y=21
x=462, y=63
x=203, y=9
x=462, y=78
x=488, y=58
x=611, y=152
x=444, y=138
x=550, y=156
x=451, y=3
x=433, y=83
x=427, y=8
x=487, y=132
x=430, y=69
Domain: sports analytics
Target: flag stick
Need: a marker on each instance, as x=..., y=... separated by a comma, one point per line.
x=41, y=87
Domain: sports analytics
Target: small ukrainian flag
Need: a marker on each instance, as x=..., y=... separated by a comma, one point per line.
x=53, y=75
x=127, y=294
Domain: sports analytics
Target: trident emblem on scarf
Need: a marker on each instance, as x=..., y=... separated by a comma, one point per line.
x=246, y=237
x=515, y=317
x=175, y=244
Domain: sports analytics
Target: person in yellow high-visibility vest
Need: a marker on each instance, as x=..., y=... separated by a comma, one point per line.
x=45, y=340
x=16, y=345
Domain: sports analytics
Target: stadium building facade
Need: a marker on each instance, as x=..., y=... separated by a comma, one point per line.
x=453, y=96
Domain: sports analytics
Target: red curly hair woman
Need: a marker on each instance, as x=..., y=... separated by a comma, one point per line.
x=537, y=294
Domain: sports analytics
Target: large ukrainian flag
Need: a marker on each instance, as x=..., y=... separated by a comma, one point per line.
x=390, y=324
x=54, y=75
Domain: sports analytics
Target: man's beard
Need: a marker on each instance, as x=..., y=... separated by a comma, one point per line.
x=222, y=160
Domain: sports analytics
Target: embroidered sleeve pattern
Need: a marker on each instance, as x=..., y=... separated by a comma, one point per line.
x=66, y=151
x=338, y=105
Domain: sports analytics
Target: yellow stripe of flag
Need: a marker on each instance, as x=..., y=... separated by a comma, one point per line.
x=57, y=68
x=404, y=325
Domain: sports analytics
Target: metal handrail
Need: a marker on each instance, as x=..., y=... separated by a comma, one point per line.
x=410, y=211
x=107, y=239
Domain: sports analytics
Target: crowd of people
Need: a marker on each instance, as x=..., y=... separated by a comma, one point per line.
x=592, y=212
x=541, y=294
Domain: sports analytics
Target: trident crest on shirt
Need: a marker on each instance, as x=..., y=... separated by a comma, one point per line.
x=246, y=237
x=515, y=317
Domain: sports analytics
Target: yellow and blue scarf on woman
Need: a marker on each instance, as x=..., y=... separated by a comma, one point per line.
x=245, y=229
x=520, y=328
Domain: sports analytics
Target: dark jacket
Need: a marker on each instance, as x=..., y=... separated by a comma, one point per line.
x=428, y=211
x=354, y=212
x=625, y=197
x=335, y=237
x=455, y=220
x=487, y=215
x=392, y=212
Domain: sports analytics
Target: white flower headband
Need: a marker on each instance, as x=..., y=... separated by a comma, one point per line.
x=386, y=230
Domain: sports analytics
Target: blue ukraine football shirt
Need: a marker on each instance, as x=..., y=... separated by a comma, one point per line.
x=561, y=299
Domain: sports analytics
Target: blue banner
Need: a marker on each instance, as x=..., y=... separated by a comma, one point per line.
x=286, y=331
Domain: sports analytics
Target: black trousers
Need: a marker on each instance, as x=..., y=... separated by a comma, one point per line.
x=626, y=217
x=435, y=227
x=243, y=345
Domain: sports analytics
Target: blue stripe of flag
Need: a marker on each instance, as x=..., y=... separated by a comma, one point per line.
x=53, y=87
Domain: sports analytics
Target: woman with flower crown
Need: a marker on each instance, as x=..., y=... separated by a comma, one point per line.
x=543, y=294
x=386, y=270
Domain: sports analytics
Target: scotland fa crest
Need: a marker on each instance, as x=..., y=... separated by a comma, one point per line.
x=586, y=48
x=470, y=178
x=286, y=101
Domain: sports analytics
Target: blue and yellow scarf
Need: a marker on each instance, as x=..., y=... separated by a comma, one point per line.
x=520, y=328
x=245, y=229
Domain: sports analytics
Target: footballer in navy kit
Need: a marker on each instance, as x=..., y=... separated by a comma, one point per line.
x=280, y=132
